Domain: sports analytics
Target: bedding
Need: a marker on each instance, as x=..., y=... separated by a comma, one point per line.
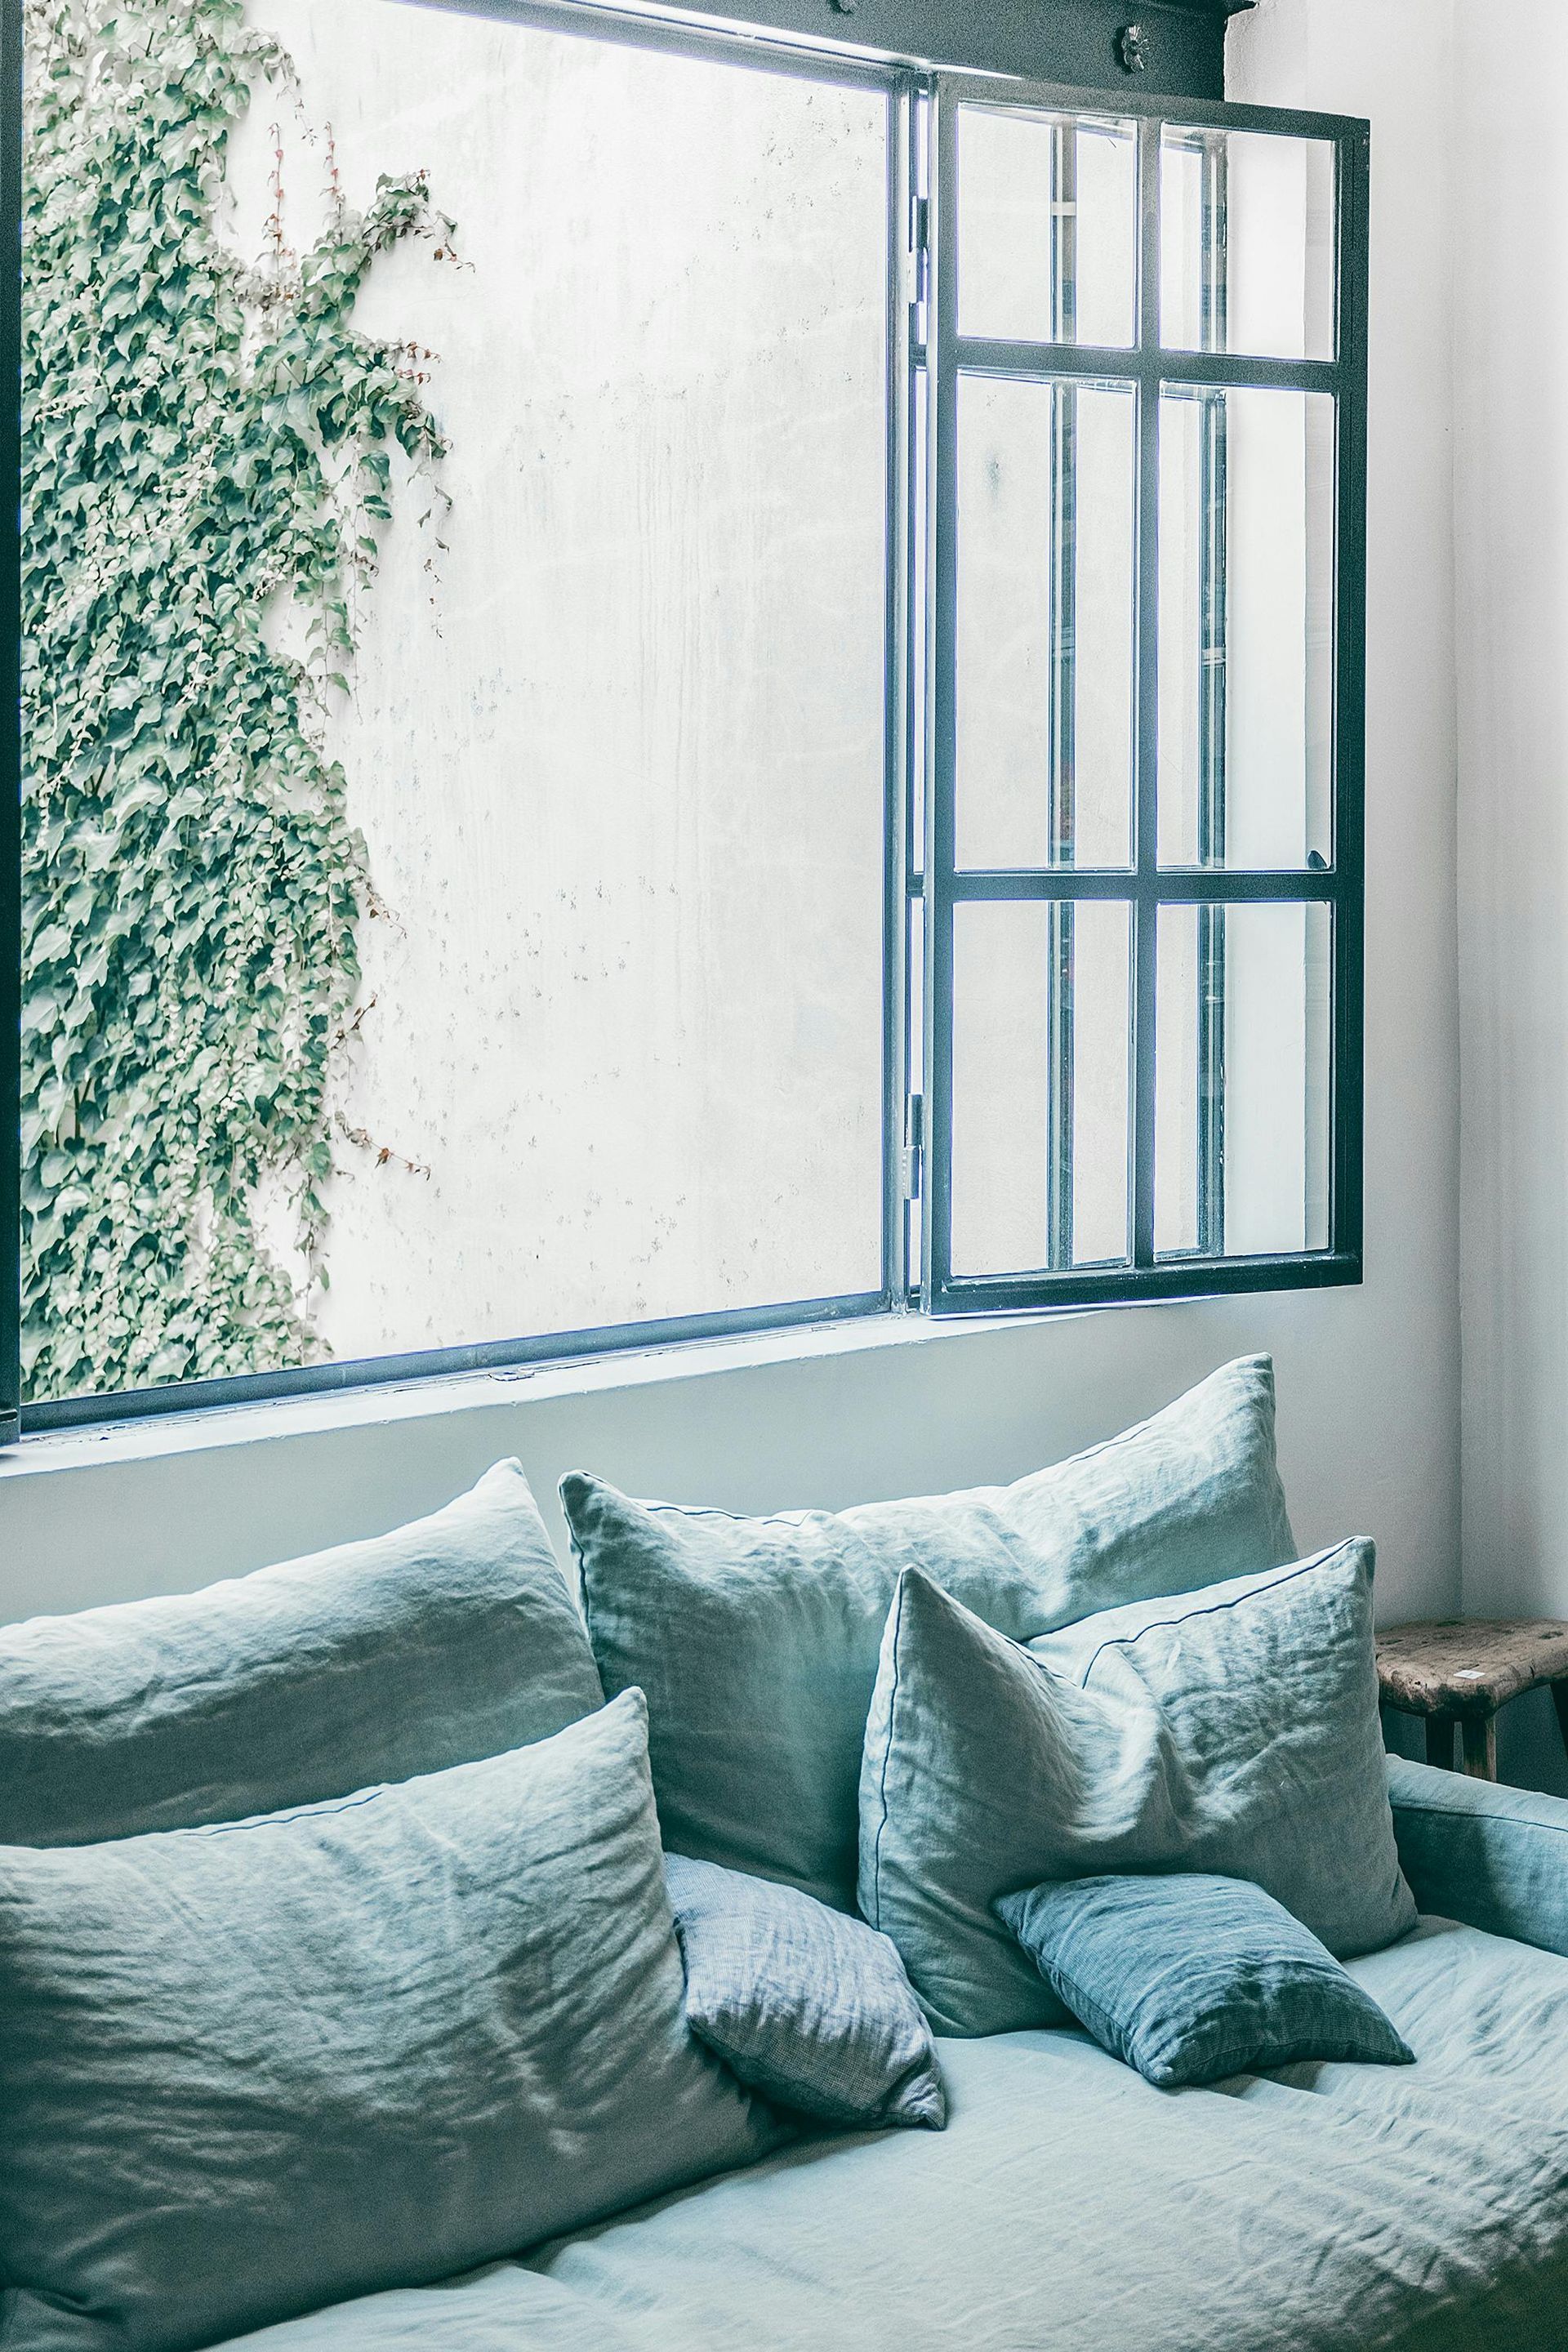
x=1070, y=2207
x=1232, y=1731
x=756, y=1640
x=1190, y=1978
x=452, y=1638
x=253, y=2067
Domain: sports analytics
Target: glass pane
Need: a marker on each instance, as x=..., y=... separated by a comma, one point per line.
x=1246, y=244
x=1040, y=1025
x=1242, y=1080
x=1247, y=624
x=533, y=980
x=1047, y=236
x=1045, y=652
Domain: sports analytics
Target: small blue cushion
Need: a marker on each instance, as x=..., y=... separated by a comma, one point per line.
x=805, y=2004
x=1191, y=1978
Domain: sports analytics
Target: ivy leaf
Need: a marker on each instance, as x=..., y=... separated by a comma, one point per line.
x=192, y=879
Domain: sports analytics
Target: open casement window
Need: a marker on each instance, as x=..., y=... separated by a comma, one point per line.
x=1139, y=902
x=839, y=790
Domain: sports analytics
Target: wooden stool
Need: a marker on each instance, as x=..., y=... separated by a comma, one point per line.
x=1456, y=1673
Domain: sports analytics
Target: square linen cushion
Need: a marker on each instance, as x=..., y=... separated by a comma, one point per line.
x=449, y=1639
x=804, y=2003
x=1191, y=1978
x=250, y=2069
x=756, y=1639
x=1233, y=1731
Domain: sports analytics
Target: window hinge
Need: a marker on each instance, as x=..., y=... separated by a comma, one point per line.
x=920, y=248
x=914, y=1146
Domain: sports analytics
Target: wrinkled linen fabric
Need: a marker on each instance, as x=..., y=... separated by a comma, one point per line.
x=1234, y=1731
x=1070, y=2207
x=252, y=2068
x=1190, y=1978
x=453, y=1638
x=756, y=1639
x=1478, y=1851
x=805, y=2004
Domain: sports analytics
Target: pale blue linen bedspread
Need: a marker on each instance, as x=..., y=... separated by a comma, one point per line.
x=1068, y=2204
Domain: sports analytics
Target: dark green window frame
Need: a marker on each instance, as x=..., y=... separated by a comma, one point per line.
x=1173, y=73
x=938, y=885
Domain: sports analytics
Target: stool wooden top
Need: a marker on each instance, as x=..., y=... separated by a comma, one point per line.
x=1470, y=1665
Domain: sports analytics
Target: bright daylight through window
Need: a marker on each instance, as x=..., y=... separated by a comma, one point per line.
x=666, y=683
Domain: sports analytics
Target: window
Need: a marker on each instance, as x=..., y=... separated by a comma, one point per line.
x=1141, y=896
x=671, y=685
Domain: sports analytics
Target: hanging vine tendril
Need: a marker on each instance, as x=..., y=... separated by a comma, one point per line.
x=200, y=439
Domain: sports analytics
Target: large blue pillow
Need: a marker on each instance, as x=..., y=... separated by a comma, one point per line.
x=756, y=1639
x=1193, y=1979
x=253, y=2068
x=1233, y=1731
x=452, y=1638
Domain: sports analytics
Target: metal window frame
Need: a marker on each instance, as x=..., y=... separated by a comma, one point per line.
x=788, y=37
x=1145, y=886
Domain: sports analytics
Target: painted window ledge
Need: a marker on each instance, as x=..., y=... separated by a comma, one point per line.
x=160, y=1434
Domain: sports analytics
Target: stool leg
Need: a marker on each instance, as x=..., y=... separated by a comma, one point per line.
x=1481, y=1747
x=1440, y=1741
x=1560, y=1696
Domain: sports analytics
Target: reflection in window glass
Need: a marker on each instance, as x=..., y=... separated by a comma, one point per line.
x=1246, y=620
x=1044, y=684
x=1247, y=229
x=1242, y=1079
x=1040, y=1028
x=1047, y=228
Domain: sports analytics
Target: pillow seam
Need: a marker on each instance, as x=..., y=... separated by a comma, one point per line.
x=1215, y=1608
x=887, y=1757
x=1086, y=1453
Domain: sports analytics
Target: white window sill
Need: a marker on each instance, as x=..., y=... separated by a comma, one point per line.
x=153, y=1436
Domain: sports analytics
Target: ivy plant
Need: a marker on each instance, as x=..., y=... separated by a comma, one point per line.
x=203, y=438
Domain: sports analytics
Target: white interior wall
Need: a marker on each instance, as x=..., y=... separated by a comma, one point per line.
x=1511, y=506
x=1368, y=1377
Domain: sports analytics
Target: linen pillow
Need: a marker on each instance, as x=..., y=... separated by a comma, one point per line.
x=1233, y=1730
x=804, y=2003
x=756, y=1639
x=254, y=2068
x=1192, y=1978
x=452, y=1638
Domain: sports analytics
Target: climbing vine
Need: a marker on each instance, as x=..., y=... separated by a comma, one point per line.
x=205, y=441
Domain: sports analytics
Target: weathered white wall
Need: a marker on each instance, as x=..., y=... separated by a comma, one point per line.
x=1506, y=460
x=1368, y=1378
x=615, y=737
x=1511, y=326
